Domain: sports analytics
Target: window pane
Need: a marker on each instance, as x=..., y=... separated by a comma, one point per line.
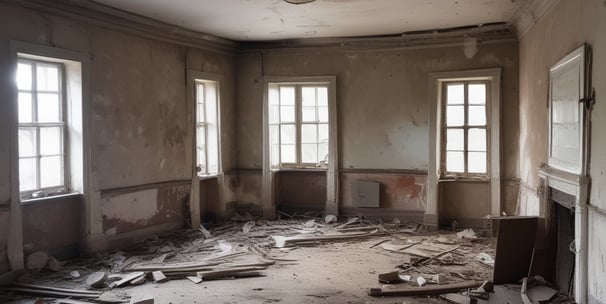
x=27, y=142
x=201, y=144
x=309, y=133
x=24, y=76
x=288, y=153
x=212, y=141
x=477, y=93
x=309, y=114
x=275, y=155
x=288, y=134
x=455, y=162
x=201, y=113
x=47, y=77
x=477, y=115
x=323, y=96
x=287, y=113
x=274, y=135
x=455, y=116
x=27, y=174
x=476, y=162
x=455, y=139
x=309, y=153
x=476, y=140
x=309, y=96
x=274, y=95
x=274, y=114
x=455, y=94
x=322, y=133
x=50, y=140
x=323, y=153
x=200, y=92
x=49, y=109
x=211, y=104
x=51, y=173
x=25, y=107
x=287, y=96
x=323, y=114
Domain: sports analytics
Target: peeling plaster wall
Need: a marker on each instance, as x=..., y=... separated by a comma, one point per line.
x=140, y=128
x=54, y=226
x=563, y=29
x=382, y=103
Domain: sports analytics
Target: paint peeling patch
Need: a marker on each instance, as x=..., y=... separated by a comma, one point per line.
x=470, y=47
x=132, y=207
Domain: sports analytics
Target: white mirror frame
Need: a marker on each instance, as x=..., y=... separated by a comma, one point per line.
x=573, y=161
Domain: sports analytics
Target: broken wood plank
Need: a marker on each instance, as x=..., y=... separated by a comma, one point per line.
x=143, y=300
x=51, y=293
x=523, y=294
x=126, y=279
x=51, y=288
x=425, y=261
x=169, y=267
x=221, y=273
x=378, y=243
x=159, y=277
x=423, y=291
x=283, y=241
x=194, y=279
x=138, y=281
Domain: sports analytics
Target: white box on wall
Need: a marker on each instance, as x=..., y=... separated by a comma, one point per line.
x=366, y=194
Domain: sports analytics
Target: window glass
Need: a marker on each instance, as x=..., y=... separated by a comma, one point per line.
x=41, y=126
x=465, y=120
x=302, y=116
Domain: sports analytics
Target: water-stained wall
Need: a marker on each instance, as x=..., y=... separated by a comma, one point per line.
x=382, y=107
x=140, y=125
x=563, y=29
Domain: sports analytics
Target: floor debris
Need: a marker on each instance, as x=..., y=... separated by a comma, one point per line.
x=252, y=248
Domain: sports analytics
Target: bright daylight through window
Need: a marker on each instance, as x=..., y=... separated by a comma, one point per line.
x=41, y=118
x=207, y=127
x=298, y=125
x=465, y=131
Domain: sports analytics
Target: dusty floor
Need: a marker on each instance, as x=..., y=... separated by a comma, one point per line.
x=327, y=272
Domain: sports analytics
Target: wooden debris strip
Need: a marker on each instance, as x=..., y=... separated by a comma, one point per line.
x=424, y=290
x=284, y=241
x=43, y=290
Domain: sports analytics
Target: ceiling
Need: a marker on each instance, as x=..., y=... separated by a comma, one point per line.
x=256, y=20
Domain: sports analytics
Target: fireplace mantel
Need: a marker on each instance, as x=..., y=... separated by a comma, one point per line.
x=566, y=182
x=578, y=186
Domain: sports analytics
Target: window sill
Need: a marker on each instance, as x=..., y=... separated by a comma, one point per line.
x=467, y=179
x=209, y=176
x=300, y=170
x=41, y=200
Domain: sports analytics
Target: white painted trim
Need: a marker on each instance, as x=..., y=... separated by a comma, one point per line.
x=332, y=173
x=194, y=201
x=15, y=243
x=435, y=96
x=576, y=58
x=530, y=13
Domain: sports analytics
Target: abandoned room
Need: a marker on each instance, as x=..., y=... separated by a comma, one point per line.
x=303, y=151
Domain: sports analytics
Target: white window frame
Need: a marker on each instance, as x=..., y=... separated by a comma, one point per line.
x=332, y=187
x=65, y=182
x=205, y=82
x=444, y=173
x=77, y=94
x=298, y=123
x=435, y=118
x=194, y=77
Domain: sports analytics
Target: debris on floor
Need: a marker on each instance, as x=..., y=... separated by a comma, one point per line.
x=429, y=263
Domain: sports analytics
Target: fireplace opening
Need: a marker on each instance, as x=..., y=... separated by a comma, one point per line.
x=565, y=257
